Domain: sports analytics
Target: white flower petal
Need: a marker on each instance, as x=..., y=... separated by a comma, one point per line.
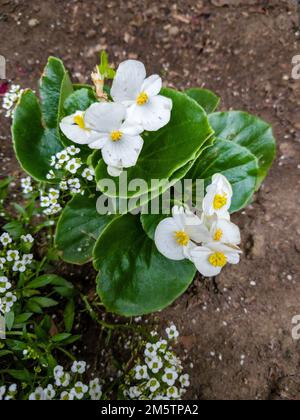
x=230, y=232
x=100, y=142
x=131, y=129
x=128, y=81
x=165, y=240
x=114, y=171
x=152, y=85
x=155, y=114
x=105, y=117
x=73, y=132
x=123, y=153
x=200, y=257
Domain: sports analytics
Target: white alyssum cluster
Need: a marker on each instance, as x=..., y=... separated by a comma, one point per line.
x=12, y=262
x=210, y=241
x=26, y=185
x=8, y=392
x=158, y=375
x=69, y=385
x=116, y=127
x=49, y=201
x=68, y=167
x=11, y=98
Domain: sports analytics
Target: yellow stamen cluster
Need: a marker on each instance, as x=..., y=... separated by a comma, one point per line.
x=220, y=201
x=218, y=235
x=182, y=238
x=142, y=99
x=116, y=135
x=79, y=120
x=218, y=259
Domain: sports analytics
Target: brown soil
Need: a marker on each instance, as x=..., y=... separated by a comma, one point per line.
x=236, y=330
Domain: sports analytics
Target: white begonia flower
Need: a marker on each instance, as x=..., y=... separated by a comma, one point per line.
x=49, y=392
x=172, y=332
x=169, y=376
x=12, y=255
x=119, y=141
x=220, y=230
x=218, y=198
x=27, y=238
x=172, y=392
x=211, y=258
x=4, y=284
x=95, y=389
x=66, y=396
x=185, y=380
x=174, y=235
x=75, y=128
x=88, y=174
x=141, y=372
x=37, y=395
x=79, y=390
x=5, y=239
x=153, y=384
x=73, y=165
x=78, y=367
x=141, y=96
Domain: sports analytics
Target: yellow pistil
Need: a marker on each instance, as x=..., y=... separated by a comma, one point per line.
x=79, y=120
x=142, y=99
x=220, y=201
x=218, y=235
x=116, y=135
x=182, y=238
x=218, y=259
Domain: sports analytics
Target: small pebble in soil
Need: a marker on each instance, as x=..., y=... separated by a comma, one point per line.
x=252, y=283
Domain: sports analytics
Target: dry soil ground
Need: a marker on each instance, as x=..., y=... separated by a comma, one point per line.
x=236, y=331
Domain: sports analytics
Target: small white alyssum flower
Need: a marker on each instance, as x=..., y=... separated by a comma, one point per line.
x=141, y=96
x=155, y=364
x=11, y=98
x=5, y=239
x=4, y=284
x=49, y=392
x=19, y=266
x=89, y=174
x=2, y=392
x=58, y=372
x=50, y=175
x=26, y=185
x=72, y=150
x=66, y=396
x=150, y=350
x=38, y=395
x=172, y=332
x=62, y=157
x=95, y=389
x=12, y=255
x=172, y=392
x=185, y=380
x=27, y=238
x=79, y=367
x=170, y=376
x=141, y=372
x=153, y=384
x=79, y=390
x=2, y=262
x=73, y=165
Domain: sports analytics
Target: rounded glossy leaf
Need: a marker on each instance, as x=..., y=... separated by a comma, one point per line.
x=169, y=149
x=233, y=161
x=250, y=132
x=134, y=278
x=80, y=100
x=34, y=145
x=79, y=228
x=205, y=98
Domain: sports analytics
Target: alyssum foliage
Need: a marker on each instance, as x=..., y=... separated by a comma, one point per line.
x=153, y=133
